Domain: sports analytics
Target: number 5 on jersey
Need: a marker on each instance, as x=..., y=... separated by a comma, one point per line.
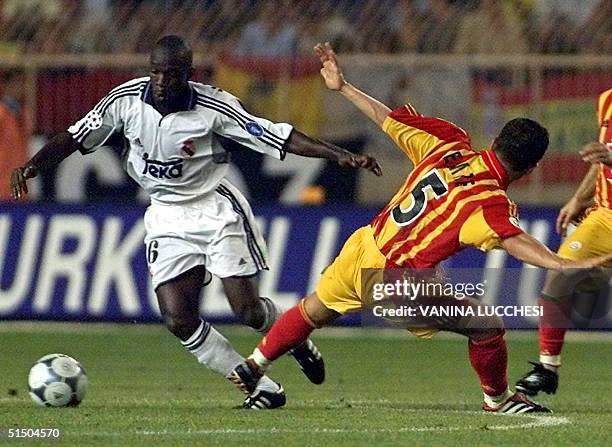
x=432, y=182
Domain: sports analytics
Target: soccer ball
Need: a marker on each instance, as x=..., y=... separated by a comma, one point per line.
x=57, y=380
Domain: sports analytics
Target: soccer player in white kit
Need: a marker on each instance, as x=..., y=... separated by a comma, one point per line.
x=197, y=221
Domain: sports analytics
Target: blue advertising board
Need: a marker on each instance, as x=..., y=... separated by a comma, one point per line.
x=87, y=262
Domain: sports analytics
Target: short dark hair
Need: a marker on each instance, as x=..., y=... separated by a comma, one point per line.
x=176, y=46
x=521, y=144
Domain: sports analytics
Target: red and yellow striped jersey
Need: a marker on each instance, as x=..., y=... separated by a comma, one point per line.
x=603, y=190
x=454, y=196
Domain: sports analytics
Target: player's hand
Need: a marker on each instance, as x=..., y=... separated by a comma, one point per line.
x=571, y=212
x=331, y=71
x=19, y=179
x=349, y=160
x=597, y=153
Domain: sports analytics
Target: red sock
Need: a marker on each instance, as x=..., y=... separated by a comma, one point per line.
x=289, y=331
x=553, y=326
x=490, y=360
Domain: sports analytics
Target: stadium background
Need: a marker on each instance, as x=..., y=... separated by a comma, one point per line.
x=74, y=251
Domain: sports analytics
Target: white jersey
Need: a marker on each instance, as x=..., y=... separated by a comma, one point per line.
x=177, y=158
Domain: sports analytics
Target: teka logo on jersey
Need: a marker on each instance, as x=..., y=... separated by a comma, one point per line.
x=162, y=169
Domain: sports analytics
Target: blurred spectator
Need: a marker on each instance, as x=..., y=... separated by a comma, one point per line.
x=555, y=34
x=596, y=37
x=490, y=29
x=373, y=19
x=15, y=128
x=439, y=28
x=144, y=27
x=406, y=24
x=221, y=24
x=272, y=33
x=575, y=10
x=28, y=17
x=7, y=44
x=54, y=31
x=334, y=28
x=95, y=30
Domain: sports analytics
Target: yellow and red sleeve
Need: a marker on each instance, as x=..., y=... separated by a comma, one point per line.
x=489, y=225
x=417, y=135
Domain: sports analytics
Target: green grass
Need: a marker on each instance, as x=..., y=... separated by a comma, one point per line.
x=382, y=389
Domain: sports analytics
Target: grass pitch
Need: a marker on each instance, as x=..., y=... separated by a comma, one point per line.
x=383, y=388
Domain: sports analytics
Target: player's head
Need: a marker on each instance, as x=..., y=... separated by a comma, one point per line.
x=520, y=145
x=171, y=68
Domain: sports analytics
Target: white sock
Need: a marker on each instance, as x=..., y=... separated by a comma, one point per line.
x=215, y=352
x=496, y=401
x=550, y=362
x=272, y=313
x=260, y=359
x=267, y=384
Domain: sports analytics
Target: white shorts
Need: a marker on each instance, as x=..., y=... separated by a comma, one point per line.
x=218, y=232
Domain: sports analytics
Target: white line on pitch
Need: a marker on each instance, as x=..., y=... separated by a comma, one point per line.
x=534, y=421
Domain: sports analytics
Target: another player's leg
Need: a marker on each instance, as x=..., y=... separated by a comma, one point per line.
x=260, y=313
x=292, y=329
x=568, y=300
x=236, y=253
x=553, y=325
x=179, y=304
x=562, y=295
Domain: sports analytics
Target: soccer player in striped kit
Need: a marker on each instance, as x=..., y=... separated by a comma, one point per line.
x=198, y=222
x=454, y=197
x=592, y=237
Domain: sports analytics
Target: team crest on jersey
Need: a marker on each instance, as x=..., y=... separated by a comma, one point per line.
x=188, y=149
x=93, y=120
x=162, y=169
x=575, y=245
x=254, y=128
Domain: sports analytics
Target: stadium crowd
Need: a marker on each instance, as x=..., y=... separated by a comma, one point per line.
x=290, y=27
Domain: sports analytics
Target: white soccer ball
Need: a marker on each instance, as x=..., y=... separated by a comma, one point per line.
x=57, y=380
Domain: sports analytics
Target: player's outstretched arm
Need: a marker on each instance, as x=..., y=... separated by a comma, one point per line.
x=334, y=80
x=580, y=201
x=529, y=250
x=301, y=144
x=51, y=154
